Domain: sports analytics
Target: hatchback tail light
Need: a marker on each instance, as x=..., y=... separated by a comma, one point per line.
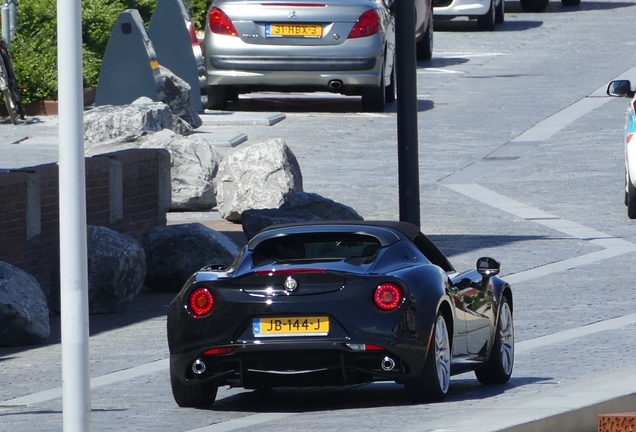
x=193, y=34
x=220, y=23
x=200, y=302
x=367, y=25
x=387, y=296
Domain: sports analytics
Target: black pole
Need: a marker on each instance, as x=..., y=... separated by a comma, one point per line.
x=406, y=65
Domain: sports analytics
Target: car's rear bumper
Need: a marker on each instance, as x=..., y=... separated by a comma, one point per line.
x=325, y=364
x=354, y=63
x=453, y=8
x=300, y=81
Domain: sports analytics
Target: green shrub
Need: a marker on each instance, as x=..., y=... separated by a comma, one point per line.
x=34, y=49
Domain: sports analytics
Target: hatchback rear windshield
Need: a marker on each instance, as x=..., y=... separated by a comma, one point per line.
x=316, y=246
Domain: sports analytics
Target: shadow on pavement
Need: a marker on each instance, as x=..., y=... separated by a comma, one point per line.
x=381, y=394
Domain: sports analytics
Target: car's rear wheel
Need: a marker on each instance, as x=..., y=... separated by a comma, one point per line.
x=502, y=355
x=432, y=385
x=391, y=89
x=424, y=47
x=195, y=396
x=570, y=2
x=534, y=5
x=217, y=97
x=500, y=12
x=374, y=98
x=487, y=22
x=630, y=198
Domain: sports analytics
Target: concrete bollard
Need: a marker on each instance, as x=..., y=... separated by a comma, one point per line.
x=130, y=68
x=620, y=422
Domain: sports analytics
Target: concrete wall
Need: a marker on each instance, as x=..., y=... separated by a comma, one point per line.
x=127, y=191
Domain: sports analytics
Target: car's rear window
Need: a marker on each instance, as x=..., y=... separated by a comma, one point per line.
x=322, y=246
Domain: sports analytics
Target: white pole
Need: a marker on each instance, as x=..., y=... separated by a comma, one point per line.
x=73, y=248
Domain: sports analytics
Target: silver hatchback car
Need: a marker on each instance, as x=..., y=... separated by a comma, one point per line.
x=339, y=46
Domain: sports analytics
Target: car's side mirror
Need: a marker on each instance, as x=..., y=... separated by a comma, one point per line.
x=488, y=267
x=620, y=88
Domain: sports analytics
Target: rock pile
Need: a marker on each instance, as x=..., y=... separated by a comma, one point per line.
x=258, y=186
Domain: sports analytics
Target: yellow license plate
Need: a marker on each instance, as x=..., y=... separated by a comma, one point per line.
x=291, y=326
x=294, y=30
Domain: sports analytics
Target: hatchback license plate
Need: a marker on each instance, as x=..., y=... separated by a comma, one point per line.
x=293, y=30
x=291, y=326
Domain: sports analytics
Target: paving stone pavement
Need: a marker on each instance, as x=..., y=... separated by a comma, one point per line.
x=484, y=127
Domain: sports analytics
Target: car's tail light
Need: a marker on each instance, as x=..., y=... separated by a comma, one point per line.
x=220, y=23
x=367, y=25
x=365, y=347
x=200, y=302
x=193, y=33
x=387, y=296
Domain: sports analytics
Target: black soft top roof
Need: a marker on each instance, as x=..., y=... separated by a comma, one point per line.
x=385, y=231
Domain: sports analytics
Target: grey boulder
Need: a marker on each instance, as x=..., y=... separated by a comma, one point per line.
x=24, y=314
x=106, y=122
x=116, y=269
x=324, y=208
x=177, y=94
x=255, y=220
x=257, y=177
x=299, y=207
x=193, y=165
x=175, y=252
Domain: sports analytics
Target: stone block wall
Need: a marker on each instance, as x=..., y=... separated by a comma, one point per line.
x=127, y=191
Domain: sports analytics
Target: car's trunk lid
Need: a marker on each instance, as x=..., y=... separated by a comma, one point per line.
x=292, y=281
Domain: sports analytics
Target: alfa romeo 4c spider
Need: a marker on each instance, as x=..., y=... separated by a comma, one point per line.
x=339, y=303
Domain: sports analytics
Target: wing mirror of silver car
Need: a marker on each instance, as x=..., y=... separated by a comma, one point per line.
x=488, y=267
x=620, y=88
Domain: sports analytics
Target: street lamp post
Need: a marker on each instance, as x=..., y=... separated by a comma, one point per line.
x=408, y=162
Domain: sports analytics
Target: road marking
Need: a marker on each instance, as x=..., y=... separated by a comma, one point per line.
x=438, y=70
x=557, y=122
x=103, y=380
x=461, y=182
x=612, y=246
x=565, y=335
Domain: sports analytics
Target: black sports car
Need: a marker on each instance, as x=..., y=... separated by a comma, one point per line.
x=339, y=303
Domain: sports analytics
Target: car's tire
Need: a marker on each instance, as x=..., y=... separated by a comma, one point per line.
x=391, y=89
x=217, y=97
x=534, y=5
x=487, y=22
x=424, y=47
x=432, y=385
x=193, y=396
x=498, y=368
x=374, y=98
x=570, y=2
x=500, y=12
x=630, y=198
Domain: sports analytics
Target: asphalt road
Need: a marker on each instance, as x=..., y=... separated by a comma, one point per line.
x=521, y=159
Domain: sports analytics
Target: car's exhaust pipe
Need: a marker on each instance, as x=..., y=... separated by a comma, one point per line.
x=335, y=84
x=387, y=364
x=198, y=367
